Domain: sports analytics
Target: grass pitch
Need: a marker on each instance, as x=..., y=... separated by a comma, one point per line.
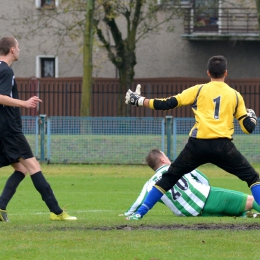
x=96, y=194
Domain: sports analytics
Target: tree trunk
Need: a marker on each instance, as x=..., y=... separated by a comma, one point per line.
x=258, y=12
x=86, y=96
x=126, y=77
x=125, y=84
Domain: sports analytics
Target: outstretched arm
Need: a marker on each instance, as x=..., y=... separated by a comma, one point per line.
x=135, y=99
x=12, y=102
x=138, y=201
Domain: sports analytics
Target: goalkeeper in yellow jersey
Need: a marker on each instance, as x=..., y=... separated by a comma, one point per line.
x=215, y=105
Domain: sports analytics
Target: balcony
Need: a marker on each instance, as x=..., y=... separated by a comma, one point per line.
x=221, y=24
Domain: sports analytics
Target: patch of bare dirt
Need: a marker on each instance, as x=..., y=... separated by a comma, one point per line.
x=203, y=226
x=200, y=226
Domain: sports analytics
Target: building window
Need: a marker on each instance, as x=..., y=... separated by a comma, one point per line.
x=46, y=66
x=206, y=15
x=172, y=2
x=48, y=4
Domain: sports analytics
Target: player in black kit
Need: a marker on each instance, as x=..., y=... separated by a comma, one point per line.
x=14, y=148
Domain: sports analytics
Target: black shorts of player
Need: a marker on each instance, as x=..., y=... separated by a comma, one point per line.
x=12, y=148
x=222, y=152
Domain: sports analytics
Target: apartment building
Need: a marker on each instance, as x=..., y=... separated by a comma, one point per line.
x=209, y=27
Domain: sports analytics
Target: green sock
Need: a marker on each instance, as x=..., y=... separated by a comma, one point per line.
x=256, y=206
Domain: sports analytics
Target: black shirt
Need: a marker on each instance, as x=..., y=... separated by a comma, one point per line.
x=10, y=117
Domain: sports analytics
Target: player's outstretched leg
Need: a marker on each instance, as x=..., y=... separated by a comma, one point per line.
x=255, y=189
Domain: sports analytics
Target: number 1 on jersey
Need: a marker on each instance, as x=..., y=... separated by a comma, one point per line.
x=217, y=107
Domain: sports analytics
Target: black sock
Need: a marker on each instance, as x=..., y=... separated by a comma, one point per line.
x=10, y=188
x=44, y=188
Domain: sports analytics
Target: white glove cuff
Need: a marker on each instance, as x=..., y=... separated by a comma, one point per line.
x=141, y=101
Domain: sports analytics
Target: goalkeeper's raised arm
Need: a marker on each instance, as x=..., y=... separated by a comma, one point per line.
x=135, y=99
x=214, y=112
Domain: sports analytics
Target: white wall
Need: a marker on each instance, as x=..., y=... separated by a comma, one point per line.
x=159, y=55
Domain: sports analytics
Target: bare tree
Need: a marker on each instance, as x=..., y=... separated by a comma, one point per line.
x=72, y=22
x=139, y=18
x=258, y=11
x=117, y=24
x=87, y=61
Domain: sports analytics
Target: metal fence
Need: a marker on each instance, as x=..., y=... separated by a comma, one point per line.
x=104, y=140
x=247, y=144
x=93, y=140
x=62, y=96
x=31, y=131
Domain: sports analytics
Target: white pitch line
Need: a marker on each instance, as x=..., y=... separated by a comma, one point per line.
x=74, y=212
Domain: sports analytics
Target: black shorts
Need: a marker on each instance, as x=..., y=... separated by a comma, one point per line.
x=12, y=148
x=222, y=152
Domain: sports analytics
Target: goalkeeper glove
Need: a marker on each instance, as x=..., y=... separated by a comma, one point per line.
x=252, y=115
x=134, y=98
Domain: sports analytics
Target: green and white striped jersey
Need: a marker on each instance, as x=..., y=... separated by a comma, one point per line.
x=186, y=198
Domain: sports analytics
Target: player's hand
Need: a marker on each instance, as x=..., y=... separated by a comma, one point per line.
x=126, y=214
x=32, y=102
x=252, y=115
x=134, y=98
x=134, y=216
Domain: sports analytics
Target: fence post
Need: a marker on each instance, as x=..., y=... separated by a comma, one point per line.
x=42, y=133
x=169, y=127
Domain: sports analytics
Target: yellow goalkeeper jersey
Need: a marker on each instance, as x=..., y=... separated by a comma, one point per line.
x=215, y=106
